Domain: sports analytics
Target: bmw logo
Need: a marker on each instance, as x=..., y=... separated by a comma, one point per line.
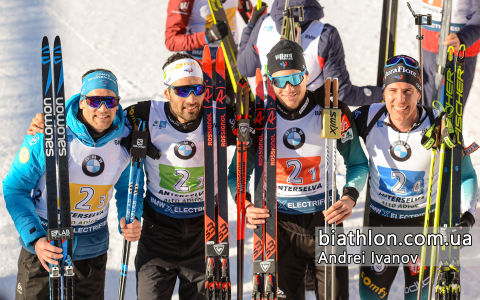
x=400, y=151
x=293, y=138
x=185, y=150
x=93, y=165
x=379, y=267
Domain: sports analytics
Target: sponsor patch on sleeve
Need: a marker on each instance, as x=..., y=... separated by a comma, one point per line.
x=24, y=155
x=347, y=135
x=345, y=123
x=470, y=149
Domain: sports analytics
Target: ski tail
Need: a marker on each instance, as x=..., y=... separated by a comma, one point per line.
x=259, y=199
x=222, y=186
x=270, y=264
x=442, y=49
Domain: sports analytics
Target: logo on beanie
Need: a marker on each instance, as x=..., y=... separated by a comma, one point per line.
x=283, y=64
x=284, y=56
x=400, y=69
x=189, y=70
x=399, y=77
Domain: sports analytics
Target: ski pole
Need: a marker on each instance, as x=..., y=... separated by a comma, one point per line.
x=325, y=124
x=242, y=106
x=139, y=139
x=337, y=130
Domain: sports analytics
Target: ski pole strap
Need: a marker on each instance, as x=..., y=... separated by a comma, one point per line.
x=441, y=128
x=152, y=151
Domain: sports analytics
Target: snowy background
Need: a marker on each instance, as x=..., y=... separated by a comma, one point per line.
x=127, y=37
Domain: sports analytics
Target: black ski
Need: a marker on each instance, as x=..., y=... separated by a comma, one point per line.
x=259, y=199
x=50, y=162
x=269, y=266
x=225, y=287
x=63, y=176
x=211, y=284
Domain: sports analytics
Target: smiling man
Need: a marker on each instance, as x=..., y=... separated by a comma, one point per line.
x=173, y=238
x=95, y=125
x=399, y=169
x=300, y=180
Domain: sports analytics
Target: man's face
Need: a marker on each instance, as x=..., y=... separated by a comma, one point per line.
x=401, y=100
x=290, y=96
x=99, y=118
x=185, y=109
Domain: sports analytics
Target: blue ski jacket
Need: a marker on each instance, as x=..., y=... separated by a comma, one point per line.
x=24, y=174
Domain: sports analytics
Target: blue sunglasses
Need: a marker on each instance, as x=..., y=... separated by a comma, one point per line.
x=407, y=60
x=293, y=79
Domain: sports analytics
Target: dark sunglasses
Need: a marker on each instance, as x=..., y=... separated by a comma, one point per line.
x=407, y=60
x=293, y=79
x=185, y=90
x=97, y=101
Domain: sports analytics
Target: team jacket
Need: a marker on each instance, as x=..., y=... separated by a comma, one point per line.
x=175, y=181
x=94, y=170
x=400, y=165
x=323, y=51
x=465, y=23
x=300, y=165
x=187, y=22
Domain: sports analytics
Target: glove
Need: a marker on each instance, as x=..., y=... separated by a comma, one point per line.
x=258, y=13
x=466, y=222
x=216, y=32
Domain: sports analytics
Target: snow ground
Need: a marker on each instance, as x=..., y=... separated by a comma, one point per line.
x=128, y=38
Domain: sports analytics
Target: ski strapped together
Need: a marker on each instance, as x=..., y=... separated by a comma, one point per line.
x=56, y=152
x=216, y=243
x=448, y=280
x=259, y=196
x=222, y=249
x=243, y=136
x=138, y=153
x=270, y=265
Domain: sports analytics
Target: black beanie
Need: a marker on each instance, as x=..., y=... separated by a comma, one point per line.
x=402, y=73
x=285, y=55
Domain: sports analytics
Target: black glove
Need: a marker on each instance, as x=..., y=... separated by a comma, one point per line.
x=217, y=32
x=258, y=13
x=466, y=222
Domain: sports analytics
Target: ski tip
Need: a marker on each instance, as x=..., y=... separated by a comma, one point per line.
x=45, y=40
x=57, y=40
x=219, y=56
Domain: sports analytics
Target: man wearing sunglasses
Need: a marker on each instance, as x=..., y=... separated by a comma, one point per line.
x=172, y=244
x=300, y=183
x=95, y=125
x=322, y=48
x=399, y=171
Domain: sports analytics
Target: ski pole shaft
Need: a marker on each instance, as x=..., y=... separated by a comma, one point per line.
x=334, y=172
x=327, y=166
